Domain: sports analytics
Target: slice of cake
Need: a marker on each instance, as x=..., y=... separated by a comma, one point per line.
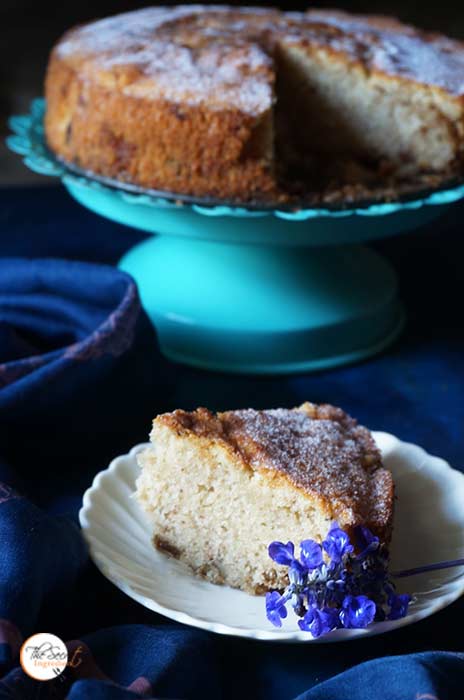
x=219, y=488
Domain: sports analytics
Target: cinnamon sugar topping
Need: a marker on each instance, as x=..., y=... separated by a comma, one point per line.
x=320, y=449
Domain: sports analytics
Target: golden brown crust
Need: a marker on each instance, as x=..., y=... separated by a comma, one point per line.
x=175, y=148
x=181, y=99
x=320, y=450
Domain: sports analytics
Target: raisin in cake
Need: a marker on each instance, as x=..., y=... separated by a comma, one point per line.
x=257, y=104
x=218, y=488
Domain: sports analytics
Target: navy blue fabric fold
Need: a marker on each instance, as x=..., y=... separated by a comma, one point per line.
x=74, y=351
x=428, y=676
x=81, y=377
x=41, y=559
x=130, y=661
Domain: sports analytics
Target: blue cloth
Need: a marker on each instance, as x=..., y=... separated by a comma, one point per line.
x=72, y=343
x=81, y=378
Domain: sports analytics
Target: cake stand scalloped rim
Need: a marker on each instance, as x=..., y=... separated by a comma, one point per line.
x=454, y=586
x=28, y=140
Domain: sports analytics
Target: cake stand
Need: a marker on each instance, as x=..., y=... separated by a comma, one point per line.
x=247, y=289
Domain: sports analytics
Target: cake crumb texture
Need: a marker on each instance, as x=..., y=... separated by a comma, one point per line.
x=250, y=104
x=218, y=488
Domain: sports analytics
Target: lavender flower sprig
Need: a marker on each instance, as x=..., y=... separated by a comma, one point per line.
x=335, y=584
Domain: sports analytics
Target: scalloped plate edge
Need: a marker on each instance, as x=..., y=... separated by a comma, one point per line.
x=260, y=634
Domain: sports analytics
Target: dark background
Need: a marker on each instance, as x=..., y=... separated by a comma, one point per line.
x=29, y=28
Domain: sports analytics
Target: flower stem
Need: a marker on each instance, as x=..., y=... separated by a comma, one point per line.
x=428, y=567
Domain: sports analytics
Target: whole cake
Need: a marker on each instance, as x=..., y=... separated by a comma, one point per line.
x=219, y=488
x=252, y=104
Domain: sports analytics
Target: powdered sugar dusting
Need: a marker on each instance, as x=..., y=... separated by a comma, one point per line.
x=187, y=54
x=223, y=55
x=319, y=448
x=387, y=45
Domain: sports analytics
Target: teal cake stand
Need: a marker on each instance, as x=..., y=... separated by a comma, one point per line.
x=247, y=289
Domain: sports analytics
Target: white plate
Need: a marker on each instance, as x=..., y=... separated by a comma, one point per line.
x=429, y=527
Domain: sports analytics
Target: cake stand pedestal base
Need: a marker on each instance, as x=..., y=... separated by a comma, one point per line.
x=243, y=288
x=265, y=309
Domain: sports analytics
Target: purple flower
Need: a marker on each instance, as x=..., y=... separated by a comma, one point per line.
x=298, y=604
x=275, y=608
x=366, y=541
x=398, y=606
x=282, y=553
x=331, y=585
x=311, y=554
x=297, y=573
x=337, y=544
x=357, y=611
x=319, y=622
